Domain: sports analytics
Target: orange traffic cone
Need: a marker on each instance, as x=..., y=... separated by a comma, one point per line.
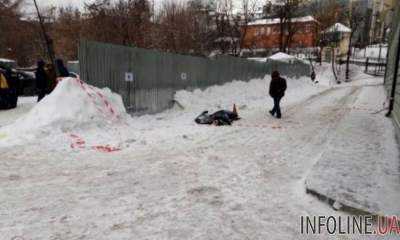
x=234, y=109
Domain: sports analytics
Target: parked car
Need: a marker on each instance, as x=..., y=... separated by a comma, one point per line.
x=73, y=75
x=8, y=89
x=27, y=82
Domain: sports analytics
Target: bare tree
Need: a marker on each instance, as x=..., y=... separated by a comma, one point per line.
x=248, y=9
x=202, y=25
x=326, y=13
x=20, y=38
x=66, y=32
x=286, y=10
x=355, y=17
x=9, y=18
x=174, y=30
x=225, y=26
x=125, y=22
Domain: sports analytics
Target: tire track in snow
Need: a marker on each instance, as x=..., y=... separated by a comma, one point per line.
x=322, y=122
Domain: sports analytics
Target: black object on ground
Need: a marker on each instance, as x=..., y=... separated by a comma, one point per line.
x=219, y=118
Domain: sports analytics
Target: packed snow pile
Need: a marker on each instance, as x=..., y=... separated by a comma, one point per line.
x=246, y=95
x=72, y=104
x=223, y=97
x=324, y=74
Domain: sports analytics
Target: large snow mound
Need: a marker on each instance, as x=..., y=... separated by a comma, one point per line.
x=72, y=103
x=246, y=95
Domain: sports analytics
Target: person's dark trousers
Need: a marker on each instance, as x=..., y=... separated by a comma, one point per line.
x=41, y=94
x=277, y=108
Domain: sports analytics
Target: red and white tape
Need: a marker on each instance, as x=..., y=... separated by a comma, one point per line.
x=79, y=143
x=107, y=109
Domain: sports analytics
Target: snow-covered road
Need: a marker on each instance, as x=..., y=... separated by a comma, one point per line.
x=177, y=180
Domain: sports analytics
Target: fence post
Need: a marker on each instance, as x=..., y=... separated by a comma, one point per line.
x=395, y=77
x=366, y=65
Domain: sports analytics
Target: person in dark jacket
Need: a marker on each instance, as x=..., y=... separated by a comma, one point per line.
x=313, y=76
x=62, y=70
x=277, y=90
x=41, y=80
x=51, y=77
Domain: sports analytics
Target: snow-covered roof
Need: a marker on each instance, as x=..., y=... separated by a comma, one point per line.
x=338, y=27
x=226, y=39
x=277, y=20
x=282, y=56
x=5, y=60
x=258, y=59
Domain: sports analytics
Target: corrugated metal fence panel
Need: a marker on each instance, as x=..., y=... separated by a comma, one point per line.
x=295, y=69
x=158, y=75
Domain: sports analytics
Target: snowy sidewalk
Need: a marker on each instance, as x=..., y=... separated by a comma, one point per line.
x=360, y=167
x=174, y=179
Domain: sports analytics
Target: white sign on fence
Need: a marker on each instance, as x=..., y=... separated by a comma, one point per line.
x=129, y=77
x=183, y=76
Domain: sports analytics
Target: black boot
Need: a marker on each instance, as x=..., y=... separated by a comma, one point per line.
x=271, y=112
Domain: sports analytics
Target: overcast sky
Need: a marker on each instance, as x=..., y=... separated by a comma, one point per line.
x=45, y=3
x=29, y=7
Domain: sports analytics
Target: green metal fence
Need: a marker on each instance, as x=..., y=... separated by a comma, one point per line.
x=392, y=65
x=147, y=79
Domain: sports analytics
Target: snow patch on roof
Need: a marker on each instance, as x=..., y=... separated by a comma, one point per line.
x=277, y=20
x=282, y=56
x=226, y=39
x=338, y=27
x=257, y=59
x=6, y=60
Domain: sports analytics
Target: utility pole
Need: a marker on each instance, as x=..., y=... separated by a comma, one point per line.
x=48, y=41
x=395, y=77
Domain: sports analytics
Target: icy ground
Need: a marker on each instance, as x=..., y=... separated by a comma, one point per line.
x=24, y=105
x=360, y=165
x=173, y=179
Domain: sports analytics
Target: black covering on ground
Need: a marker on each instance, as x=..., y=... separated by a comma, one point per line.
x=222, y=117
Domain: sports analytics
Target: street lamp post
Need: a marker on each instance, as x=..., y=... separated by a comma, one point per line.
x=47, y=39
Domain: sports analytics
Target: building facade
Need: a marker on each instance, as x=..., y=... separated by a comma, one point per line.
x=266, y=34
x=339, y=34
